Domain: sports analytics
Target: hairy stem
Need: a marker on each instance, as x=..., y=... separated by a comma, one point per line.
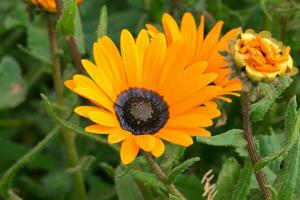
x=69, y=138
x=162, y=176
x=74, y=50
x=253, y=153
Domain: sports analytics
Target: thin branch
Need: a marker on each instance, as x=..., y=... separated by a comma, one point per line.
x=69, y=139
x=253, y=153
x=162, y=176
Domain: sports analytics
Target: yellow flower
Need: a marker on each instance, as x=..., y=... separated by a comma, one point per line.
x=145, y=94
x=203, y=48
x=49, y=5
x=263, y=57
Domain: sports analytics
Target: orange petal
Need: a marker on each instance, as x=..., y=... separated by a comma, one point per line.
x=130, y=57
x=206, y=94
x=129, y=150
x=175, y=136
x=189, y=121
x=98, y=129
x=196, y=131
x=118, y=135
x=188, y=32
x=145, y=142
x=170, y=28
x=95, y=97
x=158, y=148
x=103, y=118
x=70, y=84
x=84, y=110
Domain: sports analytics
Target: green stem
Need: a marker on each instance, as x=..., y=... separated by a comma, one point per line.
x=162, y=176
x=253, y=153
x=69, y=138
x=12, y=171
x=74, y=50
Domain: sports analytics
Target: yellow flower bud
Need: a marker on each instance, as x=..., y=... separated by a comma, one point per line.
x=262, y=57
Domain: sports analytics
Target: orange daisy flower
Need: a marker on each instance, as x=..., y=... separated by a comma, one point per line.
x=144, y=94
x=203, y=48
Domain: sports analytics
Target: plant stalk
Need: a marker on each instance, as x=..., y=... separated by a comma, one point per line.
x=69, y=138
x=253, y=153
x=74, y=50
x=162, y=176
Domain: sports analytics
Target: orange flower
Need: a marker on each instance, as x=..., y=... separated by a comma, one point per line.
x=263, y=57
x=203, y=48
x=49, y=5
x=144, y=94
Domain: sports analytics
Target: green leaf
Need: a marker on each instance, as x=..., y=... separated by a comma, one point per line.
x=233, y=138
x=286, y=180
x=78, y=35
x=291, y=131
x=102, y=26
x=126, y=187
x=190, y=186
x=260, y=108
x=13, y=86
x=243, y=185
x=227, y=179
x=147, y=178
x=66, y=22
x=268, y=144
x=38, y=44
x=179, y=169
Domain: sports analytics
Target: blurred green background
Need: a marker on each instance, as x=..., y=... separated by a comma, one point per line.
x=25, y=72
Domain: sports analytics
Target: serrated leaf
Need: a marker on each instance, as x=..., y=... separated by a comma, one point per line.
x=233, y=138
x=243, y=185
x=260, y=108
x=66, y=22
x=227, y=179
x=102, y=25
x=291, y=132
x=179, y=169
x=268, y=145
x=13, y=86
x=126, y=187
x=286, y=180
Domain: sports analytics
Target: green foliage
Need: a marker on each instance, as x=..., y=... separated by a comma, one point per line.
x=285, y=183
x=291, y=131
x=243, y=185
x=66, y=22
x=13, y=86
x=127, y=189
x=31, y=171
x=233, y=138
x=102, y=26
x=259, y=109
x=179, y=169
x=227, y=179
